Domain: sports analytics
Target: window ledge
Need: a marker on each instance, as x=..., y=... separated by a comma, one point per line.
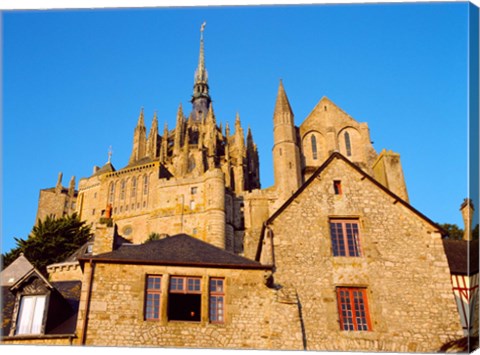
x=38, y=336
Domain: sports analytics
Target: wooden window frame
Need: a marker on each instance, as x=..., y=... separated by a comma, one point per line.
x=185, y=284
x=153, y=291
x=337, y=187
x=351, y=246
x=219, y=303
x=353, y=309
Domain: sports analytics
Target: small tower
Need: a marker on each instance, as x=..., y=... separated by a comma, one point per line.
x=139, y=140
x=286, y=154
x=201, y=99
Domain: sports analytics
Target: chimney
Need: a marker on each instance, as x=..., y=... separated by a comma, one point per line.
x=467, y=212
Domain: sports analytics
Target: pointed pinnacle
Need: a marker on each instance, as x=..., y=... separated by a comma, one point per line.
x=282, y=104
x=141, y=121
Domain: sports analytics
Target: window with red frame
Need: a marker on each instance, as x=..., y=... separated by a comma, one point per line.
x=353, y=309
x=152, y=301
x=184, y=298
x=345, y=238
x=217, y=300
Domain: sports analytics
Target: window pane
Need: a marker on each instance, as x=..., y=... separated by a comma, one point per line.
x=30, y=316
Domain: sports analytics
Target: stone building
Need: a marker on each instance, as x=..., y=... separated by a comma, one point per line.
x=331, y=257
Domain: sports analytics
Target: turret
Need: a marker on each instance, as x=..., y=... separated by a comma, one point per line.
x=215, y=207
x=139, y=140
x=286, y=153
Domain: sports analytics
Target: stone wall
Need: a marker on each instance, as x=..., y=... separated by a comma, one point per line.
x=402, y=266
x=116, y=316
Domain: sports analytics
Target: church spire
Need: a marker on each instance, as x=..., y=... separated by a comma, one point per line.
x=201, y=99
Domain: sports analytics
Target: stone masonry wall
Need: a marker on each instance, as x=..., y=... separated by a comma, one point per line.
x=402, y=266
x=116, y=316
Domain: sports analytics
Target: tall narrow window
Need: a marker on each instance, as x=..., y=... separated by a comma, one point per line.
x=345, y=238
x=30, y=316
x=348, y=145
x=314, y=147
x=145, y=185
x=184, y=298
x=134, y=187
x=111, y=192
x=152, y=297
x=337, y=187
x=353, y=309
x=217, y=300
x=122, y=190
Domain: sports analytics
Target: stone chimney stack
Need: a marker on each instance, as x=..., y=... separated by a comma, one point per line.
x=467, y=212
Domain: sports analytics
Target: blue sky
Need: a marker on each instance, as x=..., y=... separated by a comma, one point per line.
x=74, y=82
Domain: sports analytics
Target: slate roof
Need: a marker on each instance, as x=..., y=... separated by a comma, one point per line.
x=16, y=270
x=107, y=168
x=457, y=252
x=177, y=250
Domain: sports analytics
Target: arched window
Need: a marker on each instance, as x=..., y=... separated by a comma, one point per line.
x=134, y=187
x=348, y=145
x=111, y=192
x=145, y=185
x=122, y=190
x=314, y=147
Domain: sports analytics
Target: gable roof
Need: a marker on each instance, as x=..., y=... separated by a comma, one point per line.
x=333, y=156
x=462, y=256
x=177, y=250
x=15, y=271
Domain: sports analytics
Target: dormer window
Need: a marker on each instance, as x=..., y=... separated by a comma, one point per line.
x=31, y=315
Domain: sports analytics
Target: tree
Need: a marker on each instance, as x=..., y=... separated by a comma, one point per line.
x=153, y=236
x=454, y=232
x=51, y=241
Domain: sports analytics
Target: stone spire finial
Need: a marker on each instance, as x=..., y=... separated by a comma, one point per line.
x=58, y=187
x=201, y=73
x=110, y=153
x=141, y=121
x=467, y=210
x=71, y=188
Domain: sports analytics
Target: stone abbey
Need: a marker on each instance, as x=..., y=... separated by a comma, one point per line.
x=331, y=257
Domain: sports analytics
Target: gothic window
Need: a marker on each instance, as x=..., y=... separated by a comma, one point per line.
x=348, y=145
x=152, y=297
x=122, y=190
x=30, y=316
x=184, y=298
x=345, y=238
x=145, y=184
x=111, y=192
x=353, y=309
x=314, y=147
x=134, y=187
x=217, y=300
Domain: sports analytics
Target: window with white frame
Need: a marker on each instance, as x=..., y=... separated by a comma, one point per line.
x=31, y=314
